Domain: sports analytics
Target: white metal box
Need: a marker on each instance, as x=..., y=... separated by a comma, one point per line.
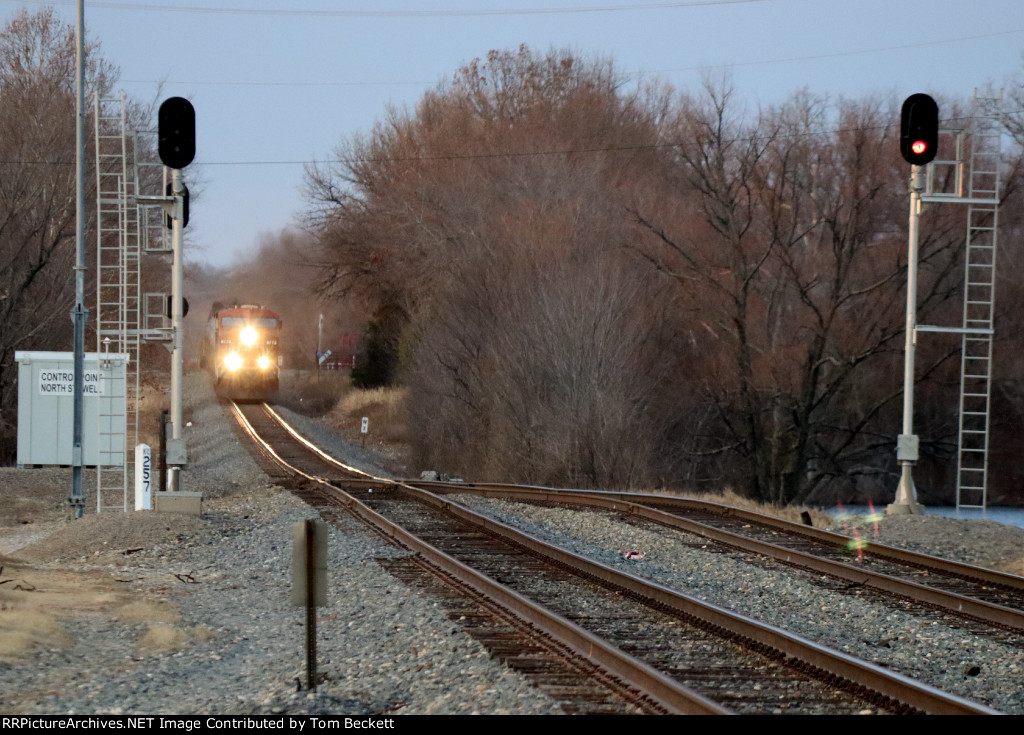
x=46, y=408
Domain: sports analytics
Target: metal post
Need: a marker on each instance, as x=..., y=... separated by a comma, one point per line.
x=163, y=451
x=907, y=444
x=310, y=605
x=79, y=314
x=176, y=445
x=319, y=346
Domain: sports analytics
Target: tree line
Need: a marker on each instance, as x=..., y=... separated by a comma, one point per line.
x=37, y=192
x=589, y=283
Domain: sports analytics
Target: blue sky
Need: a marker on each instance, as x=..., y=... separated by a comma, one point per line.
x=278, y=82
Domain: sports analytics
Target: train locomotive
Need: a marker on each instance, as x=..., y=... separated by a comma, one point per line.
x=241, y=351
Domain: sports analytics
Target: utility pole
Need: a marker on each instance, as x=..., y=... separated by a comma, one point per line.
x=79, y=314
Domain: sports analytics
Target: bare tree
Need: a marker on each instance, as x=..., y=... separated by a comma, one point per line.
x=798, y=274
x=605, y=286
x=37, y=188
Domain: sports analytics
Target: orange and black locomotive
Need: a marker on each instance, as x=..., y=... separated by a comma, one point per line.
x=241, y=350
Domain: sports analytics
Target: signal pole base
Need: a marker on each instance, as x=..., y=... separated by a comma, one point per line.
x=906, y=496
x=179, y=502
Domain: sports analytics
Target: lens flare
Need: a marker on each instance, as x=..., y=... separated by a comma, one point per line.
x=263, y=362
x=857, y=544
x=249, y=336
x=842, y=517
x=875, y=517
x=233, y=361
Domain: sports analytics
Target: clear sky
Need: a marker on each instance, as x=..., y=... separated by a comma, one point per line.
x=279, y=82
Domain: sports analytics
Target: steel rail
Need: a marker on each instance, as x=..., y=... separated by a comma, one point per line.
x=949, y=601
x=875, y=678
x=668, y=693
x=947, y=566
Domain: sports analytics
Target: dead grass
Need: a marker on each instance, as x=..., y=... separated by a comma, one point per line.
x=161, y=637
x=35, y=603
x=39, y=606
x=1016, y=567
x=145, y=611
x=313, y=394
x=23, y=630
x=786, y=512
x=382, y=406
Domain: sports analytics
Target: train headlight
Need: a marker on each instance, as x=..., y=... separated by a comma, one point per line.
x=263, y=362
x=249, y=336
x=233, y=361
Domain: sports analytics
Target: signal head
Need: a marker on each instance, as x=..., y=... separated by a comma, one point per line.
x=176, y=123
x=919, y=129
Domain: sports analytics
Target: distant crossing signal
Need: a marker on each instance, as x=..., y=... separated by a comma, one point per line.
x=919, y=129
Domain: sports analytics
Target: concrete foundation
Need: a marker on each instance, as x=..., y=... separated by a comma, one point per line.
x=903, y=509
x=179, y=502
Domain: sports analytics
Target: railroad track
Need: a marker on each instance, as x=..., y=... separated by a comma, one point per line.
x=985, y=601
x=646, y=648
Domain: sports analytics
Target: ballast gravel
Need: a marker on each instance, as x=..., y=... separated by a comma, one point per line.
x=237, y=645
x=951, y=659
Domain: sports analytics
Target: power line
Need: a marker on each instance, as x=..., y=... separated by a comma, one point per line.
x=816, y=57
x=519, y=154
x=635, y=74
x=271, y=84
x=426, y=13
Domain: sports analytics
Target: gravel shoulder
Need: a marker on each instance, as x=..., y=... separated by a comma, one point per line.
x=145, y=613
x=924, y=647
x=140, y=613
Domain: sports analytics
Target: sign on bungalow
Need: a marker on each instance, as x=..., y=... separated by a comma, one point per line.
x=62, y=383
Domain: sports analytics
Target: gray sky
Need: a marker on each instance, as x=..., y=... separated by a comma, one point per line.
x=279, y=82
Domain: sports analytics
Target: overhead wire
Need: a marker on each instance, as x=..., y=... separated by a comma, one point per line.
x=477, y=12
x=637, y=74
x=525, y=154
x=419, y=13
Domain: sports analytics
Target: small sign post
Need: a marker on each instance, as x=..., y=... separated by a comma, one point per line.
x=364, y=428
x=309, y=581
x=143, y=477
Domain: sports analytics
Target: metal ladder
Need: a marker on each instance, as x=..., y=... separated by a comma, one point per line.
x=979, y=310
x=153, y=233
x=117, y=304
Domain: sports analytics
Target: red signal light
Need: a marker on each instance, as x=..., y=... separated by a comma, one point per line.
x=919, y=129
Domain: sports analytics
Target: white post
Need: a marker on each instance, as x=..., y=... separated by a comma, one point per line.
x=907, y=444
x=143, y=477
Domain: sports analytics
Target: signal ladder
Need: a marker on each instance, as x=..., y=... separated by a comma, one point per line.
x=979, y=312
x=982, y=200
x=117, y=304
